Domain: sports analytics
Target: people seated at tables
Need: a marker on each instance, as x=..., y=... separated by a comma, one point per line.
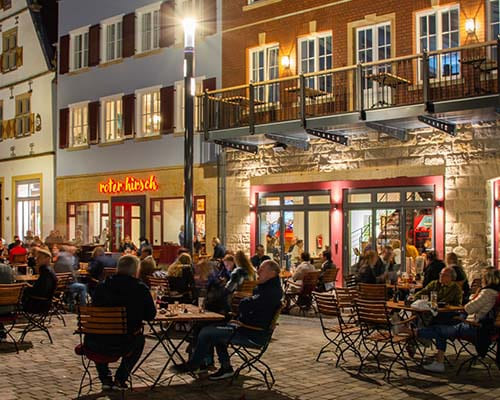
x=327, y=264
x=461, y=278
x=447, y=289
x=127, y=246
x=6, y=277
x=432, y=268
x=37, y=297
x=297, y=250
x=180, y=275
x=143, y=243
x=14, y=243
x=257, y=310
x=17, y=250
x=366, y=271
x=65, y=264
x=28, y=238
x=147, y=268
x=55, y=252
x=304, y=266
x=259, y=256
x=219, y=250
x=4, y=253
x=479, y=310
x=147, y=252
x=217, y=295
x=98, y=262
x=244, y=271
x=411, y=250
x=54, y=237
x=125, y=290
x=385, y=265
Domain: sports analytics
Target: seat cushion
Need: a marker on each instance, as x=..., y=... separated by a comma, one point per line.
x=96, y=357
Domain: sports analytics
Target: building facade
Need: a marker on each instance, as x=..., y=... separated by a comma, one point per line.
x=27, y=95
x=121, y=127
x=373, y=123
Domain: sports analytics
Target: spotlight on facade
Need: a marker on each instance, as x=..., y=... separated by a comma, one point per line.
x=470, y=26
x=279, y=147
x=285, y=62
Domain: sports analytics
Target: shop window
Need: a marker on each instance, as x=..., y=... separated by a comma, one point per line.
x=28, y=210
x=23, y=117
x=80, y=49
x=149, y=113
x=88, y=222
x=264, y=66
x=149, y=29
x=291, y=200
x=112, y=119
x=11, y=53
x=269, y=201
x=79, y=125
x=112, y=40
x=315, y=54
x=320, y=199
x=359, y=197
x=420, y=196
x=388, y=197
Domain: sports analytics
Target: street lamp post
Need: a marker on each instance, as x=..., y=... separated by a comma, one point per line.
x=189, y=92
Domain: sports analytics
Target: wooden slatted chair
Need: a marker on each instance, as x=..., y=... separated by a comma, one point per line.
x=10, y=304
x=301, y=296
x=109, y=271
x=374, y=292
x=377, y=334
x=20, y=261
x=57, y=309
x=329, y=278
x=247, y=287
x=339, y=334
x=346, y=299
x=351, y=281
x=98, y=321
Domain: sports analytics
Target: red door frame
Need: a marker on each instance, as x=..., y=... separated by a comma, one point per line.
x=496, y=223
x=336, y=189
x=127, y=220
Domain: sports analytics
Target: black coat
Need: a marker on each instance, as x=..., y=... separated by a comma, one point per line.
x=431, y=273
x=44, y=287
x=97, y=265
x=256, y=260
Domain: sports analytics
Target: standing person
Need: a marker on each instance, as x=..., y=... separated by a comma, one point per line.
x=259, y=256
x=297, y=251
x=461, y=278
x=219, y=250
x=125, y=290
x=411, y=250
x=6, y=277
x=64, y=264
x=244, y=271
x=433, y=268
x=181, y=235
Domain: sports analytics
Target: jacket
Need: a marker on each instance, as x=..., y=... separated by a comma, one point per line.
x=44, y=287
x=451, y=294
x=256, y=260
x=481, y=305
x=366, y=274
x=6, y=277
x=219, y=251
x=97, y=265
x=301, y=271
x=238, y=275
x=259, y=309
x=431, y=273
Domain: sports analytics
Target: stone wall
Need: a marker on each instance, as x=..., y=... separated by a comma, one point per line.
x=468, y=162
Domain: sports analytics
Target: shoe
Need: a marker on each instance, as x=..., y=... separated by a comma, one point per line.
x=434, y=367
x=107, y=384
x=119, y=385
x=3, y=335
x=188, y=368
x=410, y=348
x=222, y=373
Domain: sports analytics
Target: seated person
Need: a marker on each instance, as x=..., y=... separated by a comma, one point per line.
x=304, y=266
x=259, y=256
x=64, y=264
x=37, y=298
x=147, y=268
x=180, y=274
x=6, y=277
x=147, y=252
x=244, y=271
x=478, y=311
x=122, y=289
x=127, y=246
x=98, y=262
x=366, y=272
x=447, y=290
x=326, y=258
x=257, y=310
x=433, y=268
x=17, y=250
x=461, y=278
x=385, y=265
x=217, y=300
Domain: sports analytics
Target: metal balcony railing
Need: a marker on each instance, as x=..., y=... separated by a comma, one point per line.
x=462, y=72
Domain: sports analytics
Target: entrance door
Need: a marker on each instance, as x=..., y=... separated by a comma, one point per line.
x=126, y=220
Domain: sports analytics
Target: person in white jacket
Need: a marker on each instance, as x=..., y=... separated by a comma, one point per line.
x=477, y=309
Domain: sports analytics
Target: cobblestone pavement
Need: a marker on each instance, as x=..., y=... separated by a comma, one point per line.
x=45, y=371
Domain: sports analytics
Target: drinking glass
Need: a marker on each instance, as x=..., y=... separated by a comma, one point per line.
x=30, y=271
x=201, y=304
x=434, y=299
x=424, y=297
x=176, y=306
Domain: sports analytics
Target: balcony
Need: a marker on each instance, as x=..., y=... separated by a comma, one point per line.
x=392, y=96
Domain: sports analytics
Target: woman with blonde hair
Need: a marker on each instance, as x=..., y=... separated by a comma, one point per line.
x=146, y=269
x=180, y=276
x=244, y=271
x=175, y=269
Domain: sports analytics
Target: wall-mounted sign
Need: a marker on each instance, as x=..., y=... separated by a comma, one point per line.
x=129, y=185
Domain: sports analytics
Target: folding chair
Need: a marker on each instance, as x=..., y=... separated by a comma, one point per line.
x=301, y=296
x=108, y=271
x=37, y=316
x=98, y=321
x=328, y=279
x=342, y=336
x=247, y=287
x=374, y=292
x=346, y=299
x=377, y=329
x=251, y=355
x=57, y=309
x=10, y=299
x=351, y=281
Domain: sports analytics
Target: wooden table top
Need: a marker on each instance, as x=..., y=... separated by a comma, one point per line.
x=386, y=78
x=26, y=278
x=405, y=286
x=285, y=274
x=192, y=314
x=400, y=305
x=309, y=92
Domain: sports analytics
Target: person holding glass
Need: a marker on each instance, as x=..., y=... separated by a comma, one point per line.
x=447, y=290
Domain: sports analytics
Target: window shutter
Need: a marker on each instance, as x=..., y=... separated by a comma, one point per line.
x=128, y=115
x=63, y=128
x=167, y=23
x=19, y=57
x=7, y=4
x=210, y=17
x=94, y=122
x=32, y=123
x=209, y=84
x=94, y=45
x=64, y=54
x=128, y=35
x=167, y=109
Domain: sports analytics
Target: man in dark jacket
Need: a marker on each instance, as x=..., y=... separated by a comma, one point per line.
x=122, y=290
x=37, y=298
x=259, y=257
x=98, y=262
x=433, y=268
x=257, y=311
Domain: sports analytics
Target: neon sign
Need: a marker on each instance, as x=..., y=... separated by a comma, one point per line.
x=129, y=185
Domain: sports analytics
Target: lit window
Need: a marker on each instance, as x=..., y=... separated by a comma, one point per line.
x=88, y=222
x=112, y=119
x=315, y=54
x=28, y=212
x=79, y=125
x=150, y=116
x=10, y=52
x=494, y=22
x=264, y=66
x=80, y=50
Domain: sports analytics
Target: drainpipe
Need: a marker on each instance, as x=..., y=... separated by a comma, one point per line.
x=221, y=196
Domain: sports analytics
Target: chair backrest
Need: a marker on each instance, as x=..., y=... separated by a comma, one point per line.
x=351, y=281
x=63, y=280
x=235, y=301
x=327, y=304
x=155, y=282
x=330, y=275
x=368, y=291
x=11, y=294
x=109, y=271
x=309, y=282
x=102, y=320
x=19, y=258
x=274, y=321
x=345, y=297
x=247, y=287
x=373, y=314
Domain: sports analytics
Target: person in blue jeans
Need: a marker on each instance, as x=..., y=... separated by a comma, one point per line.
x=257, y=310
x=478, y=309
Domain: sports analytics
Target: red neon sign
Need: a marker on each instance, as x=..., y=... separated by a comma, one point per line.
x=129, y=185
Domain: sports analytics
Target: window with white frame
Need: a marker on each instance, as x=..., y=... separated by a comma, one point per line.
x=112, y=39
x=315, y=54
x=112, y=118
x=28, y=211
x=80, y=49
x=149, y=28
x=179, y=104
x=79, y=125
x=264, y=66
x=440, y=30
x=493, y=23
x=148, y=112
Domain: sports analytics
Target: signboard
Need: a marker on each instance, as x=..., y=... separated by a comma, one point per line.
x=129, y=185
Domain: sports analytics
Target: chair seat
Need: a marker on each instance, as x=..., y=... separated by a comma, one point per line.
x=8, y=317
x=348, y=328
x=386, y=337
x=81, y=350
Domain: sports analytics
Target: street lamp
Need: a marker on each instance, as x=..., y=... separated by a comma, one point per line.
x=189, y=25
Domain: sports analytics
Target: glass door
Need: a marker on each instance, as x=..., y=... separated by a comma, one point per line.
x=360, y=233
x=270, y=233
x=126, y=221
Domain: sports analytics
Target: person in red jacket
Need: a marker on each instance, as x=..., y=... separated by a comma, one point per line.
x=17, y=250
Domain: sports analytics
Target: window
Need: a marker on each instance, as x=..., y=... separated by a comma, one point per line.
x=149, y=29
x=179, y=104
x=112, y=40
x=88, y=222
x=1, y=120
x=23, y=123
x=112, y=118
x=373, y=43
x=263, y=67
x=315, y=54
x=79, y=125
x=80, y=49
x=149, y=115
x=28, y=213
x=10, y=52
x=439, y=30
x=494, y=23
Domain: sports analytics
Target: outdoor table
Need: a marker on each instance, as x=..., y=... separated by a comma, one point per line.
x=164, y=334
x=400, y=305
x=309, y=92
x=404, y=286
x=387, y=79
x=26, y=278
x=482, y=64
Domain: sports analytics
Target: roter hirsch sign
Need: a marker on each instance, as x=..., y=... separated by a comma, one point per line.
x=129, y=185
